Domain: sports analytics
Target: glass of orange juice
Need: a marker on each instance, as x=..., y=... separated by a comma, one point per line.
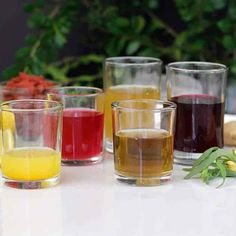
x=129, y=78
x=31, y=137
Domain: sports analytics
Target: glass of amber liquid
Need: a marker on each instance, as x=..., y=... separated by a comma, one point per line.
x=129, y=78
x=31, y=135
x=143, y=141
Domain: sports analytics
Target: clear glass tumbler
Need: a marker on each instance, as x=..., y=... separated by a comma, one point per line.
x=198, y=89
x=143, y=132
x=129, y=78
x=83, y=122
x=31, y=135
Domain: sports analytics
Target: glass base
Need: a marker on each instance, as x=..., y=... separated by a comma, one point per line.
x=185, y=158
x=153, y=181
x=37, y=184
x=83, y=162
x=108, y=145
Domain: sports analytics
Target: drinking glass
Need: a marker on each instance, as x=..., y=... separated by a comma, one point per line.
x=129, y=78
x=31, y=135
x=83, y=122
x=143, y=141
x=198, y=89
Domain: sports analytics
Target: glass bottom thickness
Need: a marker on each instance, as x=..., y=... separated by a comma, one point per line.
x=185, y=158
x=147, y=181
x=82, y=162
x=36, y=184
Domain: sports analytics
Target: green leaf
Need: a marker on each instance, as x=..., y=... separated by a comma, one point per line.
x=225, y=25
x=133, y=47
x=121, y=22
x=29, y=8
x=153, y=4
x=229, y=42
x=31, y=38
x=232, y=11
x=10, y=72
x=85, y=78
x=233, y=67
x=218, y=4
x=56, y=74
x=205, y=176
x=138, y=23
x=198, y=44
x=222, y=168
x=60, y=39
x=181, y=39
x=204, y=156
x=38, y=19
x=208, y=6
x=87, y=59
x=22, y=53
x=206, y=162
x=116, y=46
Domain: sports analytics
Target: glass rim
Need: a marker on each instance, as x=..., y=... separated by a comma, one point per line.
x=174, y=66
x=170, y=105
x=58, y=105
x=120, y=60
x=53, y=91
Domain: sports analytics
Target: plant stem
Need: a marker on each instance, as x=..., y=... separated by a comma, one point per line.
x=170, y=30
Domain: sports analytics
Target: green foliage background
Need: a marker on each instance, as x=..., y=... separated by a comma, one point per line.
x=122, y=27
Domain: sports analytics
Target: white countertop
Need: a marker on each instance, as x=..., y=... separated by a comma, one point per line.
x=90, y=202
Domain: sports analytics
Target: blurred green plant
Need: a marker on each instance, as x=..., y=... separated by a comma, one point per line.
x=115, y=28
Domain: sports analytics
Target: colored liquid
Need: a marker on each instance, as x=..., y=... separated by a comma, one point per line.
x=143, y=152
x=31, y=164
x=123, y=92
x=82, y=136
x=199, y=123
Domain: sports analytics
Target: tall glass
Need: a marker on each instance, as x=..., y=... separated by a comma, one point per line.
x=31, y=135
x=129, y=78
x=143, y=141
x=198, y=89
x=83, y=122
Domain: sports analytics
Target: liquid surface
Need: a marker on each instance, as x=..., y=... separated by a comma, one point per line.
x=199, y=123
x=31, y=164
x=82, y=135
x=123, y=92
x=143, y=152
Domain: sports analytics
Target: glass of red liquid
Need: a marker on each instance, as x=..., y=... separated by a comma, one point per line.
x=198, y=89
x=83, y=121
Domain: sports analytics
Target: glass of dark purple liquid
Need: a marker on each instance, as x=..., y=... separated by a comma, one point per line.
x=198, y=89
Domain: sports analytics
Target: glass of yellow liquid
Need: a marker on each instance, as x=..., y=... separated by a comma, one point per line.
x=31, y=143
x=129, y=78
x=143, y=132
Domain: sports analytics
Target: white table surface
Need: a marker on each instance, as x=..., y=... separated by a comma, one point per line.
x=90, y=202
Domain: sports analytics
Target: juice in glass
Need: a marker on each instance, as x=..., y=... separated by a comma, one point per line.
x=30, y=164
x=82, y=136
x=143, y=152
x=123, y=92
x=199, y=122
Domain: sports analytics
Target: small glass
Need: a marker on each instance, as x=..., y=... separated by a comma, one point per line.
x=83, y=122
x=31, y=135
x=198, y=89
x=143, y=132
x=129, y=78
